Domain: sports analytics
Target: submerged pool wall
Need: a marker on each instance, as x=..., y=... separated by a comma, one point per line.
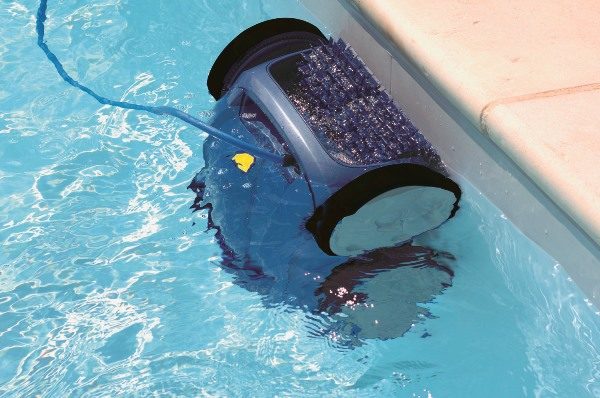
x=468, y=150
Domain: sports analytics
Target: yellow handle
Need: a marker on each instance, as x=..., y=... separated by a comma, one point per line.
x=243, y=161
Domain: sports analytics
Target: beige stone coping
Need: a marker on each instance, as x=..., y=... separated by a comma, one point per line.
x=526, y=73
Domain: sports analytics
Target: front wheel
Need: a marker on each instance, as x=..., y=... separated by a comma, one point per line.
x=382, y=208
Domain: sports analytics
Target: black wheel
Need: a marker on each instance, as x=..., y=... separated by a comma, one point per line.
x=382, y=208
x=257, y=44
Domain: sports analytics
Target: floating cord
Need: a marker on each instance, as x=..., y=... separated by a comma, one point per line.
x=157, y=110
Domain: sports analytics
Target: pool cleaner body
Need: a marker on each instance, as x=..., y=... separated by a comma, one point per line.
x=369, y=178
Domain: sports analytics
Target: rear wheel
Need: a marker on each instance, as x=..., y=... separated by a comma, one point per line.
x=257, y=44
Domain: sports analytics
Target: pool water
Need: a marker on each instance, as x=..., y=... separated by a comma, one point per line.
x=110, y=285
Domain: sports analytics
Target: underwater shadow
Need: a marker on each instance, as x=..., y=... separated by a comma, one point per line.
x=380, y=294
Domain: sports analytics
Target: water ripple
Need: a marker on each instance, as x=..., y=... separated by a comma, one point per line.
x=110, y=285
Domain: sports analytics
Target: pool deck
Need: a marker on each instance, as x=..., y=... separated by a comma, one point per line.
x=526, y=73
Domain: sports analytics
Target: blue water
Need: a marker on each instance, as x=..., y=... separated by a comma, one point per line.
x=108, y=288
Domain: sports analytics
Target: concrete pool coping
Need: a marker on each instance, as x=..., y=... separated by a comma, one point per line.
x=522, y=80
x=525, y=74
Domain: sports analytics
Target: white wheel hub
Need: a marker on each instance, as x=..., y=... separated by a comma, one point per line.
x=391, y=218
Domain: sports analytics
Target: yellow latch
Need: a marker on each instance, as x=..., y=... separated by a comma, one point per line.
x=243, y=161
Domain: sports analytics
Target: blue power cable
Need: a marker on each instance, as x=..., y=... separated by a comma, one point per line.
x=157, y=110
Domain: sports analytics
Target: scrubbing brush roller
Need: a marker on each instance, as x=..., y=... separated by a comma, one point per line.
x=374, y=180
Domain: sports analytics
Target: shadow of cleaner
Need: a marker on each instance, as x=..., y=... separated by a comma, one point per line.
x=377, y=294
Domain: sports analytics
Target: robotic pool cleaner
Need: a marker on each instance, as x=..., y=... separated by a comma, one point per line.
x=357, y=175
